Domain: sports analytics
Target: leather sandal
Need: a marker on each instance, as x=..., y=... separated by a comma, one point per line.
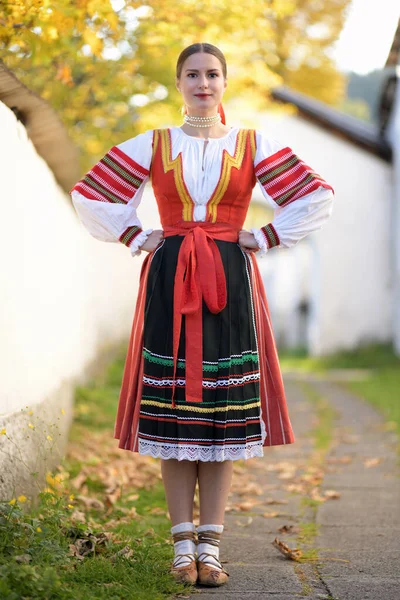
x=210, y=574
x=186, y=573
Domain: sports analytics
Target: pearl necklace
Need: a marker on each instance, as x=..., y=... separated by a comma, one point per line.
x=195, y=121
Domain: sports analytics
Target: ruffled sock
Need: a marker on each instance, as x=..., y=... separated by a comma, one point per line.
x=184, y=543
x=209, y=538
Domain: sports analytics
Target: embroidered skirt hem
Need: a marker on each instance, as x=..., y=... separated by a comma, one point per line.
x=209, y=454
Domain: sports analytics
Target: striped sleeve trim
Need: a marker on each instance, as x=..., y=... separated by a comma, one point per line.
x=271, y=237
x=130, y=234
x=285, y=177
x=115, y=178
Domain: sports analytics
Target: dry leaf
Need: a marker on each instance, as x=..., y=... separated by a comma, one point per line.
x=270, y=515
x=126, y=552
x=79, y=480
x=23, y=558
x=94, y=503
x=244, y=523
x=372, y=462
x=289, y=529
x=78, y=516
x=274, y=501
x=292, y=554
x=332, y=494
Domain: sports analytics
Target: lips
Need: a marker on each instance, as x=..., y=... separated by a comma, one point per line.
x=202, y=95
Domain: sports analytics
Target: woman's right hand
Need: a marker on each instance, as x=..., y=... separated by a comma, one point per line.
x=153, y=240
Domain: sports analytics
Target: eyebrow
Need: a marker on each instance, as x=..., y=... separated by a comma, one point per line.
x=196, y=70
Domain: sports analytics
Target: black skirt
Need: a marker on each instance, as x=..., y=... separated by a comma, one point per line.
x=227, y=424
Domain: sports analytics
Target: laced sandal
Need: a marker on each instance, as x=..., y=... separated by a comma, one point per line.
x=186, y=573
x=210, y=574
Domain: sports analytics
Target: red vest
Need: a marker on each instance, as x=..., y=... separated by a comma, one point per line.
x=231, y=197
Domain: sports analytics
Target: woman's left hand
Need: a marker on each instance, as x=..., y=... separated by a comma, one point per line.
x=247, y=241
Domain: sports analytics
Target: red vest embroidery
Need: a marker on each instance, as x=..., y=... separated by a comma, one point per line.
x=231, y=197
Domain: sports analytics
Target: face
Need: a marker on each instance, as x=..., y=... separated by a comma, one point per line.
x=202, y=83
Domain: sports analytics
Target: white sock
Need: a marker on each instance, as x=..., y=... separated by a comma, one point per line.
x=183, y=546
x=204, y=547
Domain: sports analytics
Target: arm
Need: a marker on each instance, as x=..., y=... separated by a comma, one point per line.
x=301, y=199
x=107, y=197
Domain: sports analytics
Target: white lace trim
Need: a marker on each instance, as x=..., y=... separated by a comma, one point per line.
x=209, y=454
x=139, y=241
x=261, y=241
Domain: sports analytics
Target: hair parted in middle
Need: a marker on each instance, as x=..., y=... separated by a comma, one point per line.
x=208, y=49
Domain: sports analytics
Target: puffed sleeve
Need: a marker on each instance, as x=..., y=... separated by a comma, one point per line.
x=106, y=198
x=301, y=199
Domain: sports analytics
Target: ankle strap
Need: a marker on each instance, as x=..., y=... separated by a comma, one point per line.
x=209, y=537
x=184, y=535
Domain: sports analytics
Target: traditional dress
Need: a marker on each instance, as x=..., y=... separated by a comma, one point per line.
x=202, y=379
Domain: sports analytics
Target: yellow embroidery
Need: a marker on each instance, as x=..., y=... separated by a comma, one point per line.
x=176, y=166
x=228, y=162
x=156, y=136
x=198, y=408
x=253, y=143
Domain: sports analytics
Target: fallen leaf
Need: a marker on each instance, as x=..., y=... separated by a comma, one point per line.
x=89, y=502
x=270, y=515
x=275, y=501
x=78, y=516
x=126, y=552
x=244, y=523
x=332, y=494
x=292, y=554
x=289, y=529
x=23, y=558
x=372, y=462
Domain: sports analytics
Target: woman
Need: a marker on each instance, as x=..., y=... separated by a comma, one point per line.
x=202, y=385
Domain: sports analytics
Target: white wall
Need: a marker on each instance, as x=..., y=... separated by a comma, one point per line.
x=65, y=296
x=350, y=274
x=394, y=137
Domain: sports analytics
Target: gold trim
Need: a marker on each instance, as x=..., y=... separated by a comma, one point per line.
x=176, y=166
x=156, y=136
x=228, y=161
x=253, y=143
x=198, y=408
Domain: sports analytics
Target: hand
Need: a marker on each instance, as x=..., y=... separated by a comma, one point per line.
x=247, y=241
x=153, y=240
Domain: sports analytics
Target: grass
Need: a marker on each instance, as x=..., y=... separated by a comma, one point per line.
x=126, y=536
x=381, y=385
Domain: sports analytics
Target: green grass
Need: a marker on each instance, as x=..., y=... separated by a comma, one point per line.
x=381, y=385
x=35, y=556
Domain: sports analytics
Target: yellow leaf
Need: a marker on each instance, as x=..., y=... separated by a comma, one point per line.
x=3, y=431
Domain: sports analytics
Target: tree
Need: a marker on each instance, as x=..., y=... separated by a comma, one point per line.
x=108, y=67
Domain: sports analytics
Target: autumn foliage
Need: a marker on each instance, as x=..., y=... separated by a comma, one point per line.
x=108, y=67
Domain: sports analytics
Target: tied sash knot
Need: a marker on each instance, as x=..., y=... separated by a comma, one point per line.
x=199, y=276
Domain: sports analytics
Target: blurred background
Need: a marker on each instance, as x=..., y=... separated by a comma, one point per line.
x=79, y=77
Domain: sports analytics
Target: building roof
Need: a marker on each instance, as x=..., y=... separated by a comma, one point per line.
x=44, y=128
x=360, y=133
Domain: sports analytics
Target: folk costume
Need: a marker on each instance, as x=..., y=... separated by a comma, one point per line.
x=202, y=379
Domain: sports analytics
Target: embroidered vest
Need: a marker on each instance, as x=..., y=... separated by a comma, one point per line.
x=231, y=197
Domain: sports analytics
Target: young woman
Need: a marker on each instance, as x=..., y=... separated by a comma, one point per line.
x=202, y=385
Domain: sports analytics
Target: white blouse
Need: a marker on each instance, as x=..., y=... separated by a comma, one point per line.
x=201, y=169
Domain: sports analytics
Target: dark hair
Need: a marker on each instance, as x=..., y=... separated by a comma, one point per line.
x=200, y=47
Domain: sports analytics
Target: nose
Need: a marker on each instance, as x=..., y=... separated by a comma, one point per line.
x=203, y=83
